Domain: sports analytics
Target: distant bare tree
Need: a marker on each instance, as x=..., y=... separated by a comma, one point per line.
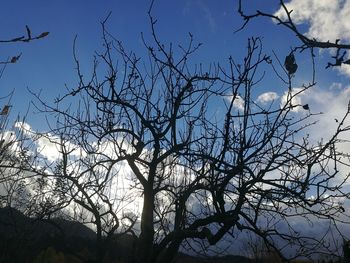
x=9, y=141
x=255, y=248
x=13, y=190
x=206, y=159
x=79, y=184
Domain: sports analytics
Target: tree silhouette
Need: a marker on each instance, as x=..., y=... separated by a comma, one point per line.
x=346, y=251
x=205, y=159
x=13, y=156
x=12, y=179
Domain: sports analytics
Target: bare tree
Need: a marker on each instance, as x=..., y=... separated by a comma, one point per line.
x=79, y=184
x=205, y=158
x=14, y=180
x=255, y=248
x=9, y=141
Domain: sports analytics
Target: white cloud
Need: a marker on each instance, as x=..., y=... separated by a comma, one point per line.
x=267, y=97
x=43, y=145
x=336, y=86
x=238, y=103
x=333, y=104
x=23, y=127
x=293, y=98
x=327, y=20
x=49, y=145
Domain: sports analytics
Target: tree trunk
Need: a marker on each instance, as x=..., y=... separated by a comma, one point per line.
x=144, y=246
x=168, y=254
x=100, y=248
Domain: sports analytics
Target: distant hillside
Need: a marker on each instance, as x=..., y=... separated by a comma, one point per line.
x=24, y=238
x=14, y=224
x=183, y=258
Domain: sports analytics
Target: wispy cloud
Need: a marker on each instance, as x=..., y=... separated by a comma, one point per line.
x=204, y=12
x=208, y=16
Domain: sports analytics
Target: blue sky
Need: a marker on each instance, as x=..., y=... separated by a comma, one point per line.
x=47, y=64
